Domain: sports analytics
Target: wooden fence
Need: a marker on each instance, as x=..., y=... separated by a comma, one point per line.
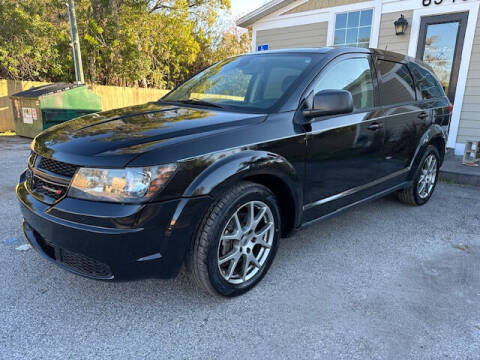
x=113, y=97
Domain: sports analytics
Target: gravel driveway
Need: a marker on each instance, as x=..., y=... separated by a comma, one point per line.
x=384, y=281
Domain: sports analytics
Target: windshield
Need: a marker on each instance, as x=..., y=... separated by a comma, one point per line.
x=246, y=83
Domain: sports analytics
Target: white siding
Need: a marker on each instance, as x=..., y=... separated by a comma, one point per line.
x=320, y=4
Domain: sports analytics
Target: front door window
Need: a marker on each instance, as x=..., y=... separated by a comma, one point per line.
x=353, y=75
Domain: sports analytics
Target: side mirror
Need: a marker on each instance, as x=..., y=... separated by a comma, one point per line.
x=330, y=102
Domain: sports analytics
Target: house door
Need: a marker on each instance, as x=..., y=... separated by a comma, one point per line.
x=440, y=45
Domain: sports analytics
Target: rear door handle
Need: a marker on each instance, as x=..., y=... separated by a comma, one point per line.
x=422, y=115
x=375, y=126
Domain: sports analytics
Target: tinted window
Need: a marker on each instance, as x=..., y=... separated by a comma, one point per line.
x=279, y=80
x=255, y=82
x=428, y=87
x=353, y=75
x=396, y=83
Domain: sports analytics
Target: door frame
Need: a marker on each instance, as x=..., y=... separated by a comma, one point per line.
x=473, y=8
x=358, y=118
x=462, y=19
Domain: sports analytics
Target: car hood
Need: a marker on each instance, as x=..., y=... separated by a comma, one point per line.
x=114, y=138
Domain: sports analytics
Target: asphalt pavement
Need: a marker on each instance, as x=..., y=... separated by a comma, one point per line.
x=383, y=281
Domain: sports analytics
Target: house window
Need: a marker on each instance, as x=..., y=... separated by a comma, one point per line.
x=353, y=28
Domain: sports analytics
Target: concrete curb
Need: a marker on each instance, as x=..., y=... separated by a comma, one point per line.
x=459, y=178
x=454, y=171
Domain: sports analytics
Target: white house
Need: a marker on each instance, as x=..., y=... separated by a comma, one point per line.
x=443, y=33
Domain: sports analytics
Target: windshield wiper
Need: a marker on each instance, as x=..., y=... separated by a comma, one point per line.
x=199, y=102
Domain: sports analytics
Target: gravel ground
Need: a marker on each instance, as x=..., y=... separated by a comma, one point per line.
x=384, y=281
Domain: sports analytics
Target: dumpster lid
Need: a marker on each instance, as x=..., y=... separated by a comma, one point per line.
x=43, y=90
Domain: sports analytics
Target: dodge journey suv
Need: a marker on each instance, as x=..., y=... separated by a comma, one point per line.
x=242, y=154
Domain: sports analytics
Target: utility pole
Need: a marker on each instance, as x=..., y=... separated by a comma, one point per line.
x=77, y=55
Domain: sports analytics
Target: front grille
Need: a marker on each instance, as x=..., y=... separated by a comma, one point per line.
x=39, y=186
x=50, y=182
x=76, y=262
x=57, y=167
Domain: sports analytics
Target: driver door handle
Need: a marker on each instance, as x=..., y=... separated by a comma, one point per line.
x=422, y=115
x=375, y=126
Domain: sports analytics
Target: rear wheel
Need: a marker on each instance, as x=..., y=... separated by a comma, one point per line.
x=424, y=180
x=237, y=241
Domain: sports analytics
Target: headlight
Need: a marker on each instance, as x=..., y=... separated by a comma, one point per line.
x=120, y=185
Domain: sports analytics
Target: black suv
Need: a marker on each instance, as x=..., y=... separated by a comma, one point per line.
x=243, y=153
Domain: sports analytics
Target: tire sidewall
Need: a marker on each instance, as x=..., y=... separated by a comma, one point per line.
x=255, y=193
x=430, y=150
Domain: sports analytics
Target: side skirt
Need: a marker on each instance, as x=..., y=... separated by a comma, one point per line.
x=355, y=204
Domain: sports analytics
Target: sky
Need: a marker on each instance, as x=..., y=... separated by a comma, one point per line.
x=241, y=7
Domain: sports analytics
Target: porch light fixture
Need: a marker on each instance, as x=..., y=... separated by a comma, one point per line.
x=401, y=25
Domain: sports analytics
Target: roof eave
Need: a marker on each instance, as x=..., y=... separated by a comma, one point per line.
x=257, y=14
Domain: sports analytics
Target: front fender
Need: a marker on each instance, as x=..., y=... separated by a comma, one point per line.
x=238, y=165
x=228, y=169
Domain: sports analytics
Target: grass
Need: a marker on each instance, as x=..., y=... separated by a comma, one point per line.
x=8, y=133
x=448, y=181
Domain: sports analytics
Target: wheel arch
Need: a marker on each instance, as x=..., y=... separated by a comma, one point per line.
x=268, y=169
x=284, y=196
x=433, y=136
x=440, y=143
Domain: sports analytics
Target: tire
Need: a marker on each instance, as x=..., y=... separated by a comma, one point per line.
x=220, y=238
x=415, y=194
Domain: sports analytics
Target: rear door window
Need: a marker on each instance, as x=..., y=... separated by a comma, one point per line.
x=427, y=85
x=396, y=83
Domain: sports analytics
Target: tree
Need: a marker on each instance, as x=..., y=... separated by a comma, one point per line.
x=149, y=43
x=31, y=47
x=215, y=46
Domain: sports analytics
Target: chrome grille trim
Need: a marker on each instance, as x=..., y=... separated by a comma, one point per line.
x=45, y=185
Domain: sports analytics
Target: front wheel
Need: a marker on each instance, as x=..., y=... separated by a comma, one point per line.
x=237, y=241
x=424, y=180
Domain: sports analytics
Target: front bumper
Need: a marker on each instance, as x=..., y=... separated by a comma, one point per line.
x=112, y=241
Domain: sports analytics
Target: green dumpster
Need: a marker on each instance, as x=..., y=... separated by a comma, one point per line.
x=38, y=108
